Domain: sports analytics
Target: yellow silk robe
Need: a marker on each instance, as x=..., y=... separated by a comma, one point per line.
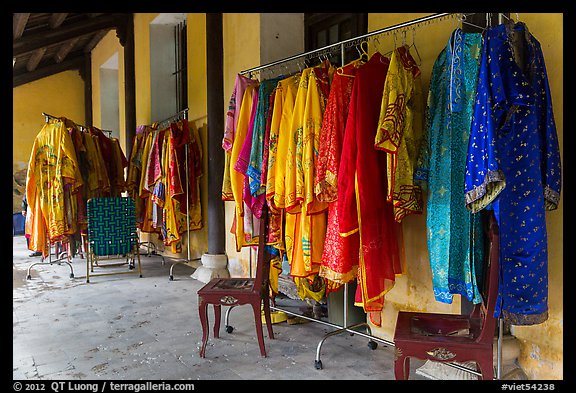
x=306, y=218
x=281, y=120
x=400, y=132
x=98, y=181
x=52, y=165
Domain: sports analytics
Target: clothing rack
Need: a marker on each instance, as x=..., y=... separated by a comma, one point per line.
x=181, y=115
x=48, y=117
x=351, y=41
x=62, y=256
x=345, y=327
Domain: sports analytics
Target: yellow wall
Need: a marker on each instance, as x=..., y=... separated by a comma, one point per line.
x=241, y=36
x=142, y=67
x=106, y=48
x=197, y=107
x=61, y=94
x=196, y=61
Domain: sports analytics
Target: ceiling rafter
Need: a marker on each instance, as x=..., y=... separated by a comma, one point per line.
x=95, y=40
x=69, y=64
x=48, y=43
x=35, y=59
x=56, y=20
x=29, y=43
x=19, y=23
x=65, y=49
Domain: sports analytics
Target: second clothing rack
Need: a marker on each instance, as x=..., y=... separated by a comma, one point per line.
x=352, y=328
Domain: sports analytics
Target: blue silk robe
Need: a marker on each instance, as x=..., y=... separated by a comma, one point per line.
x=514, y=166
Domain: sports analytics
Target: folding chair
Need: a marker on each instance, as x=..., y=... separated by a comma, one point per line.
x=112, y=233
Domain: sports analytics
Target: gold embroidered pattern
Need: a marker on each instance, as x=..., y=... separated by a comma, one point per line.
x=441, y=354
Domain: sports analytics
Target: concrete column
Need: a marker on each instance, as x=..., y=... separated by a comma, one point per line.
x=215, y=262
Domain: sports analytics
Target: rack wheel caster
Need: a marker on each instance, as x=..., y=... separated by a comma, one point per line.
x=171, y=278
x=71, y=275
x=318, y=364
x=29, y=277
x=229, y=329
x=372, y=345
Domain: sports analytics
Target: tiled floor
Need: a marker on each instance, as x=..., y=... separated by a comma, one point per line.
x=130, y=328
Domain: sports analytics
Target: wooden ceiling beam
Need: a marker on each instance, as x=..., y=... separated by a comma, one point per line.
x=65, y=49
x=35, y=59
x=21, y=78
x=19, y=22
x=32, y=42
x=95, y=40
x=56, y=20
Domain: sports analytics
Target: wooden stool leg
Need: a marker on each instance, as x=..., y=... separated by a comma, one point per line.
x=268, y=318
x=486, y=366
x=203, y=311
x=217, y=316
x=259, y=332
x=402, y=368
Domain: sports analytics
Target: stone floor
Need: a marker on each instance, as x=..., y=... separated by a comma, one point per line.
x=123, y=327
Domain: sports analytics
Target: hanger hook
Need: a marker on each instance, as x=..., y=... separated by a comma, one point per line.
x=364, y=50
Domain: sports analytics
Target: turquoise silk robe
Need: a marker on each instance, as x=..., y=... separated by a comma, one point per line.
x=454, y=234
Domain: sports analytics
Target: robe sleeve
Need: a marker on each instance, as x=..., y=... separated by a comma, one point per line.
x=347, y=210
x=392, y=118
x=484, y=179
x=422, y=169
x=229, y=127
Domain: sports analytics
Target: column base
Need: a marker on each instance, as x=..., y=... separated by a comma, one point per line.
x=213, y=266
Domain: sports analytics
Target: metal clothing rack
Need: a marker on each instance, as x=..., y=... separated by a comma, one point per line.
x=181, y=115
x=61, y=256
x=345, y=327
x=48, y=117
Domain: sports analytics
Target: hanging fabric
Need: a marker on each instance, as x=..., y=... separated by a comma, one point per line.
x=454, y=237
x=282, y=109
x=513, y=166
x=242, y=212
x=232, y=117
x=163, y=178
x=53, y=177
x=362, y=188
x=337, y=266
x=399, y=133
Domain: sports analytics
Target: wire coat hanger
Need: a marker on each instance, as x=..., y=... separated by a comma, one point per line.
x=419, y=62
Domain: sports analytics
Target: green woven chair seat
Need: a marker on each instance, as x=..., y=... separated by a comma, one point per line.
x=112, y=225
